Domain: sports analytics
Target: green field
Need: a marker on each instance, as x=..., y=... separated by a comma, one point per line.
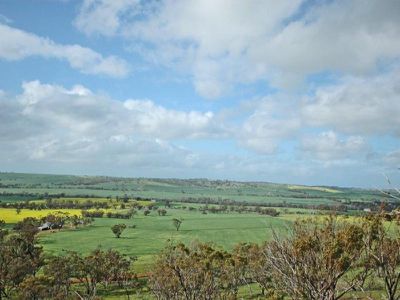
x=152, y=233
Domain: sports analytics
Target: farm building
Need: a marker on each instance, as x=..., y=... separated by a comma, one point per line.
x=46, y=226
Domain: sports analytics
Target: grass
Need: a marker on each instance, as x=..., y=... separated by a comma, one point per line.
x=153, y=232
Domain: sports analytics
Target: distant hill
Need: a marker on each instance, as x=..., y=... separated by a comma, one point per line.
x=35, y=185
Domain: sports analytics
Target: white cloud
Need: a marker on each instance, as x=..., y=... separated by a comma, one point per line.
x=341, y=36
x=221, y=42
x=50, y=123
x=328, y=146
x=80, y=110
x=103, y=16
x=17, y=44
x=358, y=105
x=272, y=121
x=154, y=119
x=75, y=130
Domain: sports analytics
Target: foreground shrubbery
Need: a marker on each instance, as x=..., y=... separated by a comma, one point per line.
x=26, y=274
x=319, y=259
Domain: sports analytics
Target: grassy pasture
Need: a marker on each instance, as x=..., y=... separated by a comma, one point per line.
x=152, y=233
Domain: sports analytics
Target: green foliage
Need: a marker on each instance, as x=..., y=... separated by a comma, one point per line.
x=19, y=257
x=196, y=272
x=60, y=275
x=383, y=250
x=161, y=212
x=317, y=255
x=117, y=229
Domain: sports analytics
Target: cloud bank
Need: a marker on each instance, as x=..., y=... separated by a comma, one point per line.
x=17, y=44
x=221, y=43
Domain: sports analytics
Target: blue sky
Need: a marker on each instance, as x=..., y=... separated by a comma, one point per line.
x=287, y=91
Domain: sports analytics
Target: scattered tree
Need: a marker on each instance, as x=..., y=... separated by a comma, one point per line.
x=177, y=223
x=161, y=212
x=117, y=229
x=196, y=272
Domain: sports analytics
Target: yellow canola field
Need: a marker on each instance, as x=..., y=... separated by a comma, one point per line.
x=9, y=215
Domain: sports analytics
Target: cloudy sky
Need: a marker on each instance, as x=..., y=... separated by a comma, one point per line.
x=285, y=91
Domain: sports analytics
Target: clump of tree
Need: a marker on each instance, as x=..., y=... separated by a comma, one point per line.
x=25, y=274
x=253, y=262
x=92, y=213
x=100, y=268
x=76, y=221
x=19, y=256
x=119, y=215
x=318, y=260
x=57, y=219
x=117, y=229
x=196, y=272
x=27, y=228
x=383, y=249
x=269, y=211
x=161, y=212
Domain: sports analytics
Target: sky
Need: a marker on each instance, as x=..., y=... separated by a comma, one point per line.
x=289, y=91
